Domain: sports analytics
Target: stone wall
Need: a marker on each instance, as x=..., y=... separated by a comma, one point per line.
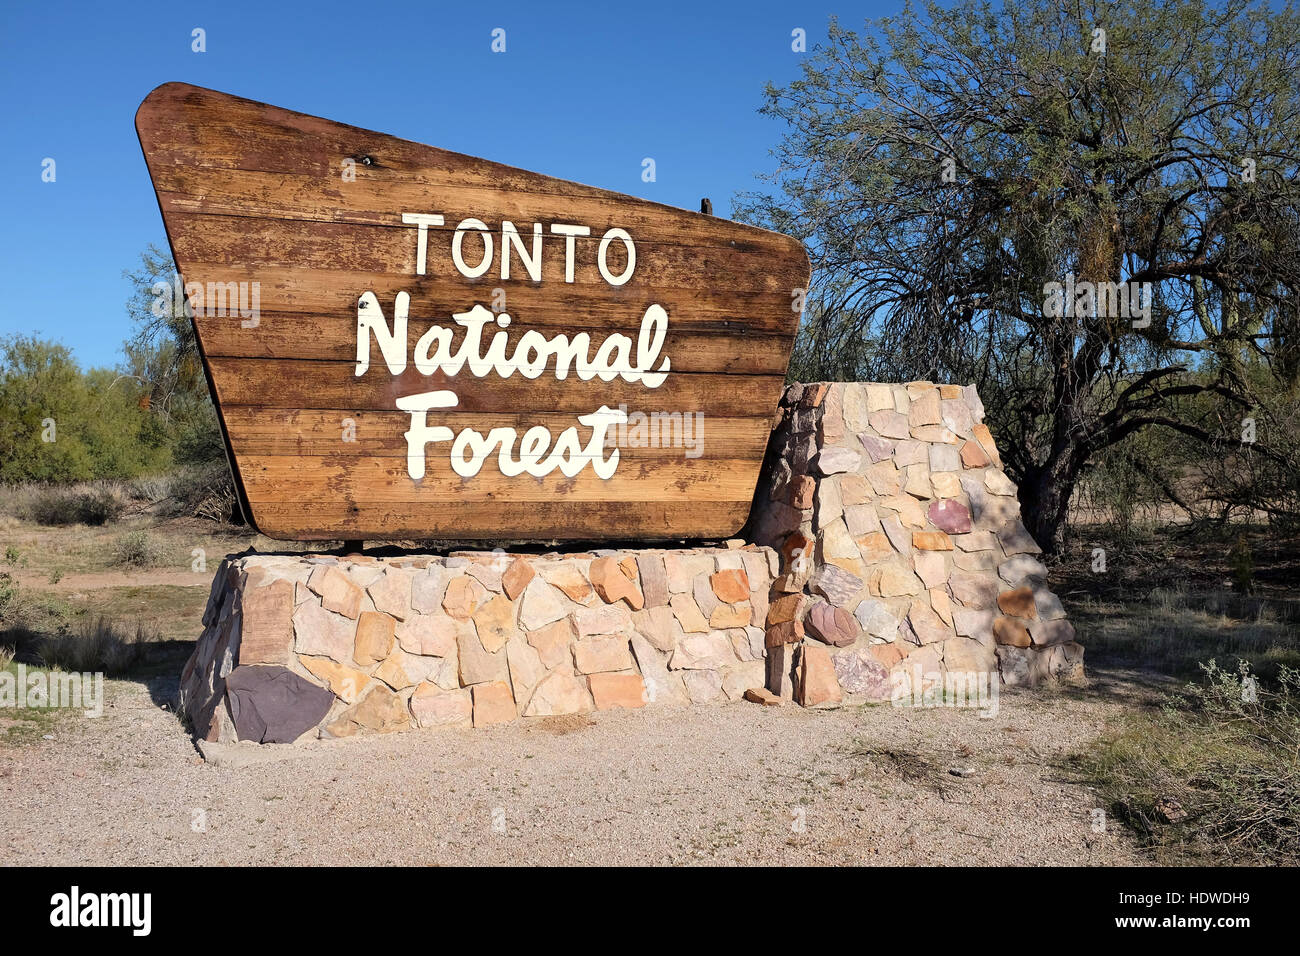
x=299, y=646
x=903, y=556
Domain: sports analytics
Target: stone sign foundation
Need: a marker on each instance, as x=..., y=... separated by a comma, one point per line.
x=884, y=551
x=902, y=550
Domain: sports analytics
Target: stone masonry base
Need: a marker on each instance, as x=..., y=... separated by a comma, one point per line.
x=884, y=555
x=296, y=647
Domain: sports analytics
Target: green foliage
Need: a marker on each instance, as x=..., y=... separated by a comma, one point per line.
x=945, y=165
x=58, y=423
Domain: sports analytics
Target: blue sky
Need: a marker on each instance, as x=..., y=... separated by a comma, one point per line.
x=583, y=92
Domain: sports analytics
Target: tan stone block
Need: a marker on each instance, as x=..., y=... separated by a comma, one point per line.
x=727, y=615
x=998, y=483
x=816, y=684
x=568, y=577
x=890, y=580
x=495, y=623
x=598, y=654
x=942, y=605
x=476, y=664
x=559, y=692
x=400, y=670
x=617, y=690
x=855, y=490
x=688, y=614
x=836, y=542
x=391, y=593
x=985, y=439
x=552, y=641
x=890, y=424
x=337, y=593
x=613, y=584
x=886, y=654
x=925, y=408
x=883, y=477
x=946, y=484
x=460, y=599
x=433, y=707
x=973, y=456
x=931, y=569
x=702, y=652
x=493, y=704
x=910, y=511
x=323, y=633
x=432, y=635
x=875, y=547
x=658, y=626
x=375, y=636
x=917, y=482
x=936, y=433
x=379, y=711
x=347, y=683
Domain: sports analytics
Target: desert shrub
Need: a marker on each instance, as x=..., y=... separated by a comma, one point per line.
x=135, y=549
x=1214, y=775
x=8, y=595
x=90, y=504
x=98, y=646
x=202, y=491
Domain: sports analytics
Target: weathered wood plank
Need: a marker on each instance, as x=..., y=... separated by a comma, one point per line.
x=320, y=432
x=296, y=335
x=309, y=213
x=297, y=383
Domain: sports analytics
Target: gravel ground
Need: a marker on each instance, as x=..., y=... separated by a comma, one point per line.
x=733, y=784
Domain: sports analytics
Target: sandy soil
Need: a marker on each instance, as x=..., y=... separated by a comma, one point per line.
x=99, y=580
x=733, y=784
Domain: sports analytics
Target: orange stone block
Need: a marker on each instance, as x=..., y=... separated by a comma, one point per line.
x=731, y=586
x=617, y=690
x=931, y=541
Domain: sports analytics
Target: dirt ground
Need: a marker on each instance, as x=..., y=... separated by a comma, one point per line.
x=730, y=784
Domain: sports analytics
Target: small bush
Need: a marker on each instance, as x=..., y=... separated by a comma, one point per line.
x=135, y=549
x=6, y=657
x=95, y=505
x=1215, y=776
x=97, y=647
x=8, y=595
x=202, y=491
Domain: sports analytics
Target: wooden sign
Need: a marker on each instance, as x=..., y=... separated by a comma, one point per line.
x=405, y=342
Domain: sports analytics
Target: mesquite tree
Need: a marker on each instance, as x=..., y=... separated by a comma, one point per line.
x=1089, y=210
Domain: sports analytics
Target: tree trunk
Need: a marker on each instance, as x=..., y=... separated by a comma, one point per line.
x=1045, y=496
